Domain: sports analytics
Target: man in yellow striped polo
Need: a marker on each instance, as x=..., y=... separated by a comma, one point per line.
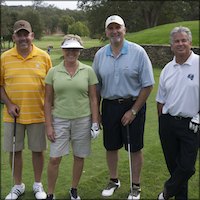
x=23, y=70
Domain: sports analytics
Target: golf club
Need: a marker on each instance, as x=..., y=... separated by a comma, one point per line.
x=129, y=158
x=13, y=153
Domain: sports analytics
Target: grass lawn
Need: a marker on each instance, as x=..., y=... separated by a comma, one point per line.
x=95, y=174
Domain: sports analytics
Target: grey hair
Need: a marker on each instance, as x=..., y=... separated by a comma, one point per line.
x=73, y=37
x=180, y=29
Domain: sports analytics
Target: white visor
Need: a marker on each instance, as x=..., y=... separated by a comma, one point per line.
x=71, y=44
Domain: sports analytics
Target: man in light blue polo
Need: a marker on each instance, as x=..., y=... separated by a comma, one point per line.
x=125, y=77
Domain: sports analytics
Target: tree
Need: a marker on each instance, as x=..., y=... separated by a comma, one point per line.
x=64, y=23
x=79, y=28
x=7, y=21
x=151, y=11
x=138, y=15
x=33, y=17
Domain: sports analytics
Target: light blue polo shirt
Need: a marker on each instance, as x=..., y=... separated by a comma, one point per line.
x=71, y=98
x=125, y=75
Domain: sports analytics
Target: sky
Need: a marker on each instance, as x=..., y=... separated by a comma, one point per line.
x=59, y=4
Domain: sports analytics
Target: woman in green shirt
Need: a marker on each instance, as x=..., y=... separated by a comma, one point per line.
x=71, y=112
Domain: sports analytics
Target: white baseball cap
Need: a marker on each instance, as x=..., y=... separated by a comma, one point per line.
x=114, y=19
x=71, y=44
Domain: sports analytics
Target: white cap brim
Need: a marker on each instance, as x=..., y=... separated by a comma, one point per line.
x=71, y=44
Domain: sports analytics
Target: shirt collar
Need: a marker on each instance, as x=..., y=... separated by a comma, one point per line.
x=31, y=55
x=124, y=49
x=62, y=67
x=187, y=62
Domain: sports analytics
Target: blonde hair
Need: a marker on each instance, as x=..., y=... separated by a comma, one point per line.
x=72, y=37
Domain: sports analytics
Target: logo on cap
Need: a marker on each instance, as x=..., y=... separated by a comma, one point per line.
x=22, y=24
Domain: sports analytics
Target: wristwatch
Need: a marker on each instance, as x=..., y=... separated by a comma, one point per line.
x=133, y=112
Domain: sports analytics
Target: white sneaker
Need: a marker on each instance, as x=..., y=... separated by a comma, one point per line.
x=135, y=194
x=15, y=192
x=74, y=195
x=109, y=190
x=161, y=196
x=39, y=191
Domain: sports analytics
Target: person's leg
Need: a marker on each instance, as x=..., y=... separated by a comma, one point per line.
x=77, y=171
x=19, y=145
x=183, y=192
x=81, y=145
x=38, y=164
x=19, y=187
x=112, y=162
x=58, y=149
x=137, y=162
x=18, y=167
x=170, y=147
x=136, y=129
x=112, y=113
x=37, y=144
x=53, y=168
x=186, y=158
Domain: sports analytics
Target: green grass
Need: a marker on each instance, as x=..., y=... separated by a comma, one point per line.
x=160, y=34
x=95, y=174
x=56, y=40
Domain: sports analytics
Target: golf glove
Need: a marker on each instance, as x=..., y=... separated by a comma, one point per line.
x=95, y=130
x=195, y=123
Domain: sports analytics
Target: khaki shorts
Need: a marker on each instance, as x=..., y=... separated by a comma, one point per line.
x=35, y=134
x=76, y=131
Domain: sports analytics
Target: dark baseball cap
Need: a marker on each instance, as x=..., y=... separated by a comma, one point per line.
x=22, y=25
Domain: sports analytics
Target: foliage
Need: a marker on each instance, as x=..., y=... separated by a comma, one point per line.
x=138, y=15
x=33, y=16
x=79, y=28
x=64, y=23
x=48, y=19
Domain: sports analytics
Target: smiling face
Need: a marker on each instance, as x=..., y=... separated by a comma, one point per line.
x=181, y=44
x=23, y=40
x=71, y=55
x=115, y=33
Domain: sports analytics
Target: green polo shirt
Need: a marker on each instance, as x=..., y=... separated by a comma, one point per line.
x=71, y=98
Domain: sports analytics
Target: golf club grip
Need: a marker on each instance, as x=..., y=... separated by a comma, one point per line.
x=15, y=124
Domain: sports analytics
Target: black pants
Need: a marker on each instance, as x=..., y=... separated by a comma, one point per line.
x=180, y=147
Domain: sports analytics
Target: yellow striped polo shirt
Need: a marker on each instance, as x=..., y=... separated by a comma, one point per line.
x=23, y=80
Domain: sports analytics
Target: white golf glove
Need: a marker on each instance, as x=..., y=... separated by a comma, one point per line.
x=195, y=123
x=95, y=130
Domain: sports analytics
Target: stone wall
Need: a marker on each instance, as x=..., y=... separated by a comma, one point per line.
x=159, y=55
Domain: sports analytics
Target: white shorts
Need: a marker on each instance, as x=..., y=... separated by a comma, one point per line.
x=76, y=131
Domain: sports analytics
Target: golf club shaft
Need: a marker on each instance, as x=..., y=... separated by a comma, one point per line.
x=13, y=152
x=129, y=158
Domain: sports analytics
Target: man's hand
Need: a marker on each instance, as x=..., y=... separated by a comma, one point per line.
x=95, y=130
x=195, y=123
